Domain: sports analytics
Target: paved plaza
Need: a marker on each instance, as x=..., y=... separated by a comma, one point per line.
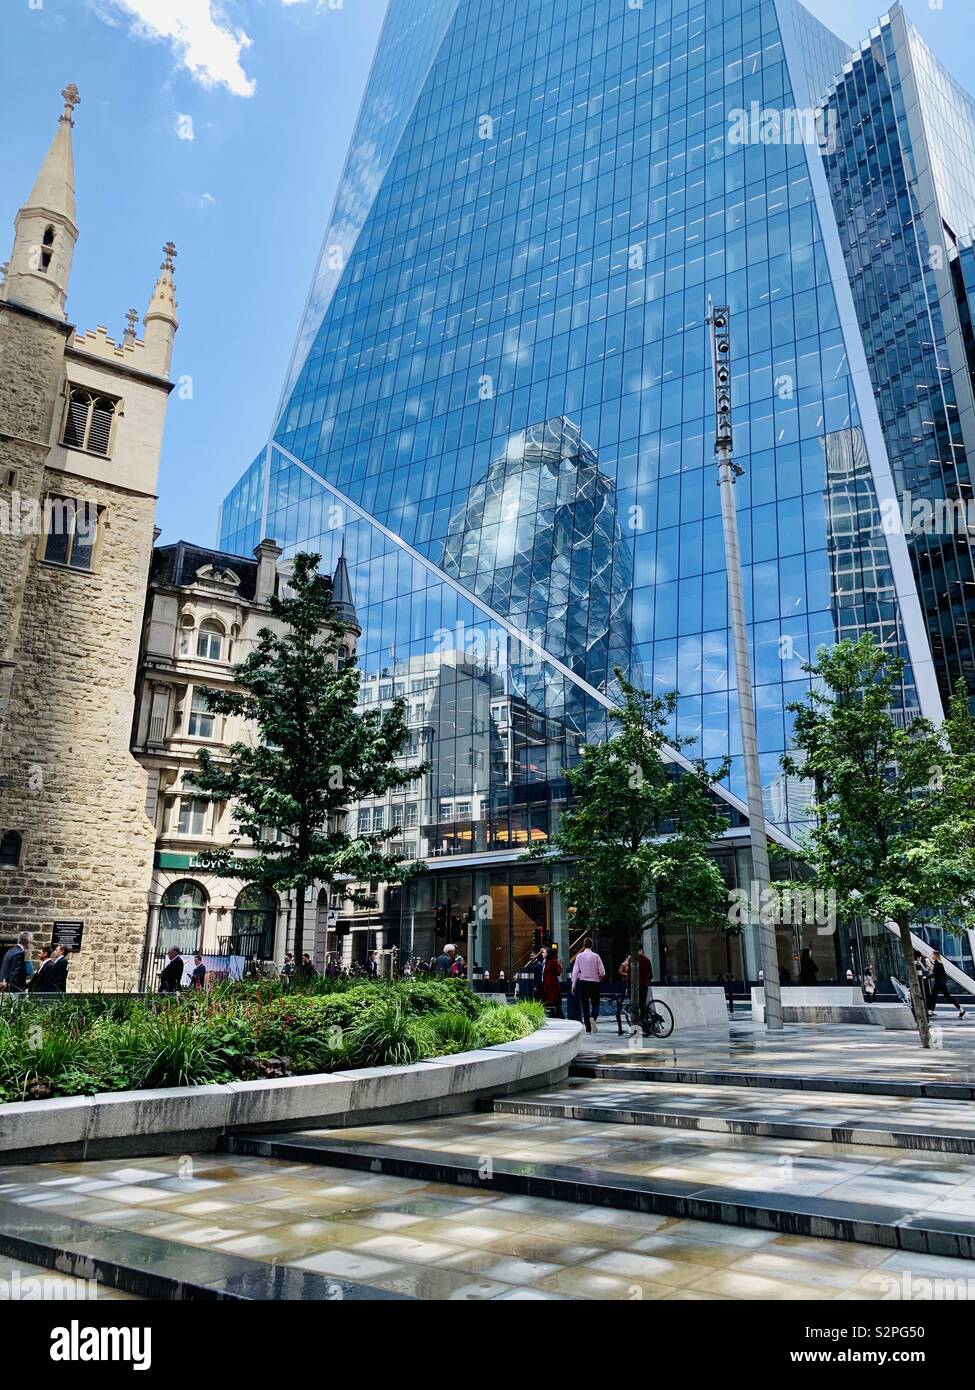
x=824, y=1163
x=435, y=1241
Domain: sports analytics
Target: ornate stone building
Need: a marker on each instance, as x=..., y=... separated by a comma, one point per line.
x=204, y=612
x=81, y=428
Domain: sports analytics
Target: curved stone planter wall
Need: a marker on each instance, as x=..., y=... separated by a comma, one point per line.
x=196, y=1118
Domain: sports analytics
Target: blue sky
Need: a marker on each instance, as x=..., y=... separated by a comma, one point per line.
x=223, y=124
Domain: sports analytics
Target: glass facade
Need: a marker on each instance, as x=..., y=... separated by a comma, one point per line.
x=498, y=406
x=902, y=179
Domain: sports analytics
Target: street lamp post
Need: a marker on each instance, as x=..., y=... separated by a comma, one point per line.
x=719, y=321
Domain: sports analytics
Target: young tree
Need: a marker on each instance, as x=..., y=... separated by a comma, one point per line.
x=882, y=842
x=637, y=834
x=313, y=755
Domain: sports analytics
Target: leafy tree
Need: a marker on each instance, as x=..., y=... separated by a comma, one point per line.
x=313, y=756
x=894, y=805
x=637, y=834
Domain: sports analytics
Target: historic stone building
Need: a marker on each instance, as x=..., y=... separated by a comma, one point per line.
x=81, y=428
x=204, y=612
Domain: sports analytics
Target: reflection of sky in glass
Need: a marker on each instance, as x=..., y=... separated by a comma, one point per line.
x=538, y=249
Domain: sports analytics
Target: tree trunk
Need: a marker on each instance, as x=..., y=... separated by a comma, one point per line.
x=298, y=945
x=913, y=983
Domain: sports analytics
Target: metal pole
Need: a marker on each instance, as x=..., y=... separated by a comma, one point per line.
x=719, y=321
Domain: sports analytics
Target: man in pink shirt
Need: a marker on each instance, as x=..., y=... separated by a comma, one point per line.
x=587, y=971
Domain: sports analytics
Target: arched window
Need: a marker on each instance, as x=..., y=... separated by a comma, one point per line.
x=209, y=641
x=88, y=422
x=255, y=920
x=182, y=916
x=343, y=657
x=47, y=250
x=11, y=843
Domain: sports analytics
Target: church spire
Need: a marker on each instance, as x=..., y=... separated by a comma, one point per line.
x=342, y=600
x=161, y=321
x=46, y=226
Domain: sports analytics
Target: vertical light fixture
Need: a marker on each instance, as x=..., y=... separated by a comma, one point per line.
x=719, y=321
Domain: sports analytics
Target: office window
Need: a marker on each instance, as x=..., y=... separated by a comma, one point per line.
x=192, y=815
x=202, y=723
x=209, y=641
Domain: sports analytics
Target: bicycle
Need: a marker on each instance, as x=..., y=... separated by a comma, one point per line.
x=658, y=1023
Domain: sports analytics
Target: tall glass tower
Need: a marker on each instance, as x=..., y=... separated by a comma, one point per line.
x=498, y=405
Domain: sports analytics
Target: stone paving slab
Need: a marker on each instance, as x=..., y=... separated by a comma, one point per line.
x=944, y=1126
x=803, y=1057
x=306, y=1227
x=883, y=1196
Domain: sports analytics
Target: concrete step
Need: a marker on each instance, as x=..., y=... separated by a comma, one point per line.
x=795, y=1187
x=935, y=1126
x=628, y=1067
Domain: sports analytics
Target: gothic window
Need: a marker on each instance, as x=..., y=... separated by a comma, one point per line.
x=88, y=422
x=71, y=532
x=11, y=842
x=47, y=250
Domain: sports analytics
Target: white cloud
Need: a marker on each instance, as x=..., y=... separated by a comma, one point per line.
x=201, y=37
x=184, y=127
x=207, y=200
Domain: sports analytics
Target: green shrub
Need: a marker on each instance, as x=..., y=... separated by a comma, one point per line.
x=503, y=1023
x=80, y=1046
x=386, y=1036
x=455, y=1031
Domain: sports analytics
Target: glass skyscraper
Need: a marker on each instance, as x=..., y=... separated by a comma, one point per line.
x=498, y=406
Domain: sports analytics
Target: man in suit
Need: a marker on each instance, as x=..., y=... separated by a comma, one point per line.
x=13, y=971
x=171, y=978
x=56, y=975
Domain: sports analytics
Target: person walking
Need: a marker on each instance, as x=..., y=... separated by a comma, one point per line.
x=39, y=980
x=869, y=985
x=171, y=977
x=808, y=969
x=13, y=970
x=939, y=985
x=587, y=972
x=198, y=977
x=924, y=978
x=536, y=968
x=645, y=980
x=57, y=980
x=552, y=983
x=308, y=971
x=444, y=963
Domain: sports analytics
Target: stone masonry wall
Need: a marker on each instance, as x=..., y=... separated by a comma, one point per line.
x=31, y=354
x=74, y=790
x=67, y=780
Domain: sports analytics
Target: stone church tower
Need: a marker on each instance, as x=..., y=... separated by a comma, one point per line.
x=81, y=428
